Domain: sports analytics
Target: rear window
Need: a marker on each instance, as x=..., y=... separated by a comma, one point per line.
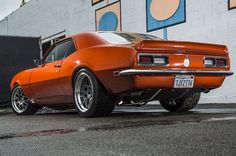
x=125, y=38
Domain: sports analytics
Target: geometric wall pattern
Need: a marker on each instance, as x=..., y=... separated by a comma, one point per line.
x=96, y=1
x=164, y=13
x=108, y=18
x=232, y=4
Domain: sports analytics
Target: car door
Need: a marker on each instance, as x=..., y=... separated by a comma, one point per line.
x=45, y=80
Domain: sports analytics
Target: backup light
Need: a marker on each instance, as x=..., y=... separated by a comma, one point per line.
x=209, y=62
x=160, y=60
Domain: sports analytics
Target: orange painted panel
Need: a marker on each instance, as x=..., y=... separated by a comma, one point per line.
x=51, y=84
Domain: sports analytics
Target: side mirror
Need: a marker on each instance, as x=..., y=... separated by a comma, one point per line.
x=37, y=62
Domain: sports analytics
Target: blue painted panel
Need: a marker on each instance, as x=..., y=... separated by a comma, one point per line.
x=177, y=18
x=108, y=22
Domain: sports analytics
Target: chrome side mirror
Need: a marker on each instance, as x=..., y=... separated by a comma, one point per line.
x=37, y=62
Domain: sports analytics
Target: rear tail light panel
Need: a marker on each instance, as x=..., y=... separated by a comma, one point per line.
x=215, y=62
x=153, y=60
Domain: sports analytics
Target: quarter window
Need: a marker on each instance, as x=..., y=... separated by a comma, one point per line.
x=60, y=51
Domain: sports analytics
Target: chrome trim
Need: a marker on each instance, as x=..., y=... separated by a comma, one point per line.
x=130, y=72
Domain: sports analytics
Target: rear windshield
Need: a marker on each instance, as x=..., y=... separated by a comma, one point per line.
x=126, y=38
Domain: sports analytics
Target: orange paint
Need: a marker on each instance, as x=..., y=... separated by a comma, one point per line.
x=52, y=83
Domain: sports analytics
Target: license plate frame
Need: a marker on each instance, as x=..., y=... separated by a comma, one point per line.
x=184, y=81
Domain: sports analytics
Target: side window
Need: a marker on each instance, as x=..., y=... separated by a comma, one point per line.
x=51, y=55
x=71, y=47
x=60, y=51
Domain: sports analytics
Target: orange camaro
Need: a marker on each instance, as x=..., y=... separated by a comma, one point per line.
x=99, y=70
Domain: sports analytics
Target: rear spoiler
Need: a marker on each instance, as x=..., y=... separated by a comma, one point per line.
x=181, y=47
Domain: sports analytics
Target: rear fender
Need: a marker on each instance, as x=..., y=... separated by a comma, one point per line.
x=105, y=61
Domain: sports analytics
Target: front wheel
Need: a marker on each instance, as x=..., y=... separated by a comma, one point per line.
x=183, y=104
x=20, y=103
x=91, y=99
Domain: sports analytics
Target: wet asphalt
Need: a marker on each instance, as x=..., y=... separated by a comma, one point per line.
x=209, y=129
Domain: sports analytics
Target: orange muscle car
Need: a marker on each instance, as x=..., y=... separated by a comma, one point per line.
x=97, y=71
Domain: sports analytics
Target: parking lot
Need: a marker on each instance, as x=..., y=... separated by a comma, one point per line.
x=210, y=129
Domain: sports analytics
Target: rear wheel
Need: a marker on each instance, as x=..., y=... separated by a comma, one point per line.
x=91, y=99
x=183, y=104
x=20, y=103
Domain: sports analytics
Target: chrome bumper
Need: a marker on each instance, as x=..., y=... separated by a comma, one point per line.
x=130, y=72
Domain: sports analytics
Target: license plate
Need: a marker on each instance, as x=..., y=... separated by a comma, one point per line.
x=184, y=81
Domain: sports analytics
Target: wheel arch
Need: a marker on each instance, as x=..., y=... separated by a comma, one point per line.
x=76, y=70
x=14, y=83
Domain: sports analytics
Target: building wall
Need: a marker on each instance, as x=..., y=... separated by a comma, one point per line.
x=206, y=21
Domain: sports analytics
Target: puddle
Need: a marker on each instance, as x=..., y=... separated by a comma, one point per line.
x=143, y=123
x=162, y=122
x=37, y=133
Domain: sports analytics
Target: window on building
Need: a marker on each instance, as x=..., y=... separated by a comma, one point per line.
x=58, y=38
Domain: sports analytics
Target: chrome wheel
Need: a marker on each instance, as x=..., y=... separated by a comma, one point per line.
x=83, y=92
x=19, y=101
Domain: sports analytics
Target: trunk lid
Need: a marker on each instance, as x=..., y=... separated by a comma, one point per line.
x=180, y=47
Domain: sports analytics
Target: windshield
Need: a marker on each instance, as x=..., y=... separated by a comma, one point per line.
x=125, y=38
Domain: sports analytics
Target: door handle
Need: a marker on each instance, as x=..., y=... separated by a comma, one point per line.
x=57, y=66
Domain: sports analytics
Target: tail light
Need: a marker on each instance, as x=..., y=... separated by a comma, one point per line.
x=215, y=62
x=145, y=59
x=153, y=60
x=221, y=62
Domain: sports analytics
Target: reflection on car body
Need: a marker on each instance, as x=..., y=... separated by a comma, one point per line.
x=97, y=71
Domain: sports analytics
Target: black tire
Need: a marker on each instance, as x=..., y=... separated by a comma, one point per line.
x=29, y=108
x=183, y=104
x=100, y=102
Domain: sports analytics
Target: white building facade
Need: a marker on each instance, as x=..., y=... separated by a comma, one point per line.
x=208, y=21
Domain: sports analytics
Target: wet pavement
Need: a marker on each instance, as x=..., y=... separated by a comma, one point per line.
x=209, y=129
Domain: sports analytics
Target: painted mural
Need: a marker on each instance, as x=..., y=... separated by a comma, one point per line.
x=108, y=18
x=96, y=1
x=232, y=4
x=164, y=13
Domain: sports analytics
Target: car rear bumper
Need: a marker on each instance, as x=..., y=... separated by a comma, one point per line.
x=165, y=79
x=132, y=72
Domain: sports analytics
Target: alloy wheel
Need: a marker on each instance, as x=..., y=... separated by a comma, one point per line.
x=19, y=101
x=83, y=92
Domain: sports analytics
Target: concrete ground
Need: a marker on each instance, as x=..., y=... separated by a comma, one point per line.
x=209, y=129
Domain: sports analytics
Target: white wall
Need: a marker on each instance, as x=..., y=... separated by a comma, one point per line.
x=210, y=21
x=207, y=21
x=3, y=26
